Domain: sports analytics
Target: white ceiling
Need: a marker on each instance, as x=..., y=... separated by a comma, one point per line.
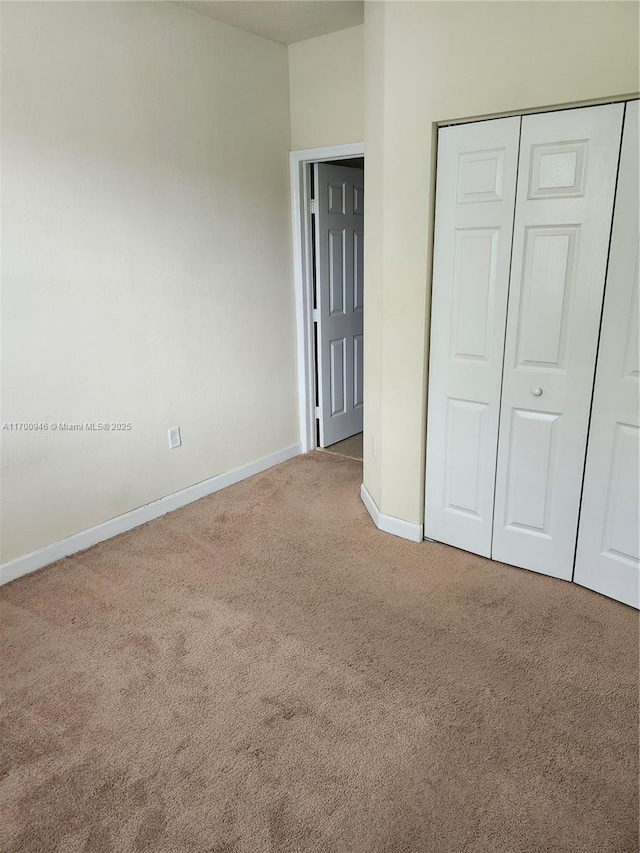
x=286, y=21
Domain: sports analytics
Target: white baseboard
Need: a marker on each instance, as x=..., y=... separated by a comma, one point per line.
x=389, y=523
x=108, y=529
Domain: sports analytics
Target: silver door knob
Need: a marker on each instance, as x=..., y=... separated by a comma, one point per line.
x=537, y=392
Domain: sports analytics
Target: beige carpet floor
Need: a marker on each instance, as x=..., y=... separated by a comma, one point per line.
x=263, y=671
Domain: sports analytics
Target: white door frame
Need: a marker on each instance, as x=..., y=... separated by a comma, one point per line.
x=302, y=277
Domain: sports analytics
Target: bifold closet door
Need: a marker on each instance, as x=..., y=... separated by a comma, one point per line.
x=566, y=182
x=608, y=546
x=475, y=195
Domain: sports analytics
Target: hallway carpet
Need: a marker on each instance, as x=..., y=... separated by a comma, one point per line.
x=263, y=671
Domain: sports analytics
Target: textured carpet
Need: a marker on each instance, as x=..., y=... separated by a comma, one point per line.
x=263, y=671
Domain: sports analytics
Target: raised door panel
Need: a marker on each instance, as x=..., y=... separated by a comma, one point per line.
x=336, y=196
x=480, y=176
x=620, y=529
x=358, y=371
x=531, y=457
x=566, y=184
x=545, y=298
x=339, y=232
x=558, y=171
x=474, y=218
x=338, y=378
x=358, y=194
x=607, y=556
x=466, y=430
x=631, y=362
x=337, y=277
x=474, y=279
x=358, y=266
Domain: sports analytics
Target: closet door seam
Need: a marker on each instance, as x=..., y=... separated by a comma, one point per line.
x=595, y=372
x=504, y=337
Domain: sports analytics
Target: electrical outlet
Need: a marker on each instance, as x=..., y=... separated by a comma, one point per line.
x=174, y=437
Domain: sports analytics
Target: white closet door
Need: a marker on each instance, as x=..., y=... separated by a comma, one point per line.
x=608, y=546
x=475, y=199
x=566, y=182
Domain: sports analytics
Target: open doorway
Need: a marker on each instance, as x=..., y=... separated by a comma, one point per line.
x=337, y=240
x=328, y=237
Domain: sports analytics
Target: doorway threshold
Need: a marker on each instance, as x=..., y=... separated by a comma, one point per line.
x=351, y=447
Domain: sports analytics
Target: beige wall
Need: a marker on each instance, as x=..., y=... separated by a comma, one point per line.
x=326, y=89
x=146, y=257
x=373, y=237
x=429, y=62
